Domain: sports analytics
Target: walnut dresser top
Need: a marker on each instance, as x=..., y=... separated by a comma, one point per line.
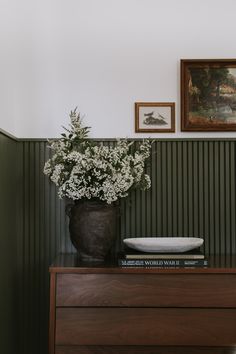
x=69, y=263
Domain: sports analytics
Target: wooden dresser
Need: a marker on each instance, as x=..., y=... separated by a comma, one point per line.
x=106, y=309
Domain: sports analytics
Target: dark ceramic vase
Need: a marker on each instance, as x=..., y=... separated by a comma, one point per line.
x=92, y=228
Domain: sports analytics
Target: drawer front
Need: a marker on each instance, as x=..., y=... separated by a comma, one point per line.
x=145, y=326
x=141, y=350
x=147, y=290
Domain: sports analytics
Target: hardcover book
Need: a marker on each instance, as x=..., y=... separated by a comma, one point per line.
x=163, y=263
x=135, y=255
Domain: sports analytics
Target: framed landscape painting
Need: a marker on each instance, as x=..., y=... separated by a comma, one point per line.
x=154, y=117
x=208, y=95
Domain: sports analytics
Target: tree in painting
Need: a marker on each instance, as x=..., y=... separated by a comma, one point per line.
x=212, y=95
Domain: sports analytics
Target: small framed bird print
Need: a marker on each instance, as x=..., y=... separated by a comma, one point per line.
x=154, y=117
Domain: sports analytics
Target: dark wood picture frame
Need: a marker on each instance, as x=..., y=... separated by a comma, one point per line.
x=154, y=117
x=208, y=95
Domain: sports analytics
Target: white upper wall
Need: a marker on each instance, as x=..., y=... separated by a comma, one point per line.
x=102, y=56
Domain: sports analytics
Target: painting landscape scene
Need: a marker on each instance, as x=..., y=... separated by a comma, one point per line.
x=212, y=95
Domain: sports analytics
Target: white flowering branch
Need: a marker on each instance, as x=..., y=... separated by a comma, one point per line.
x=82, y=170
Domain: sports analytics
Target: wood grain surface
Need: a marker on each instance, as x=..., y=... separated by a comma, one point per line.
x=52, y=313
x=141, y=350
x=145, y=326
x=139, y=290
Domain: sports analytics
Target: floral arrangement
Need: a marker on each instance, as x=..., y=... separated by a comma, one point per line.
x=84, y=170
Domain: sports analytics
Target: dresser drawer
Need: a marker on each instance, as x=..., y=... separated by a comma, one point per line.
x=146, y=290
x=141, y=350
x=145, y=326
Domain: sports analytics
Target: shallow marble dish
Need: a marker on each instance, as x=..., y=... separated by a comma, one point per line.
x=163, y=244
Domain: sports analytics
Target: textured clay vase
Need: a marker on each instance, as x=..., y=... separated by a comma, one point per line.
x=92, y=228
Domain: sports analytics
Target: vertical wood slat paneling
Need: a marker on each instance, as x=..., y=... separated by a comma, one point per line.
x=232, y=199
x=20, y=247
x=205, y=178
x=9, y=199
x=43, y=234
x=193, y=194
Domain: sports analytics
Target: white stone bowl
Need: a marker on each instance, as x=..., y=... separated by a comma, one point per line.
x=164, y=244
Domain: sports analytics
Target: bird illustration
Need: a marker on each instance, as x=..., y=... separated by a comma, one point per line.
x=149, y=114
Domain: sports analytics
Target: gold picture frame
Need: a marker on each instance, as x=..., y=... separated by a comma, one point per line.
x=208, y=95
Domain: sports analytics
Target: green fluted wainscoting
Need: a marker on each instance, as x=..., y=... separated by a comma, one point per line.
x=8, y=245
x=193, y=194
x=43, y=232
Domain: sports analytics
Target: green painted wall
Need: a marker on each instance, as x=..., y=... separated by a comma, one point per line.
x=8, y=243
x=193, y=194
